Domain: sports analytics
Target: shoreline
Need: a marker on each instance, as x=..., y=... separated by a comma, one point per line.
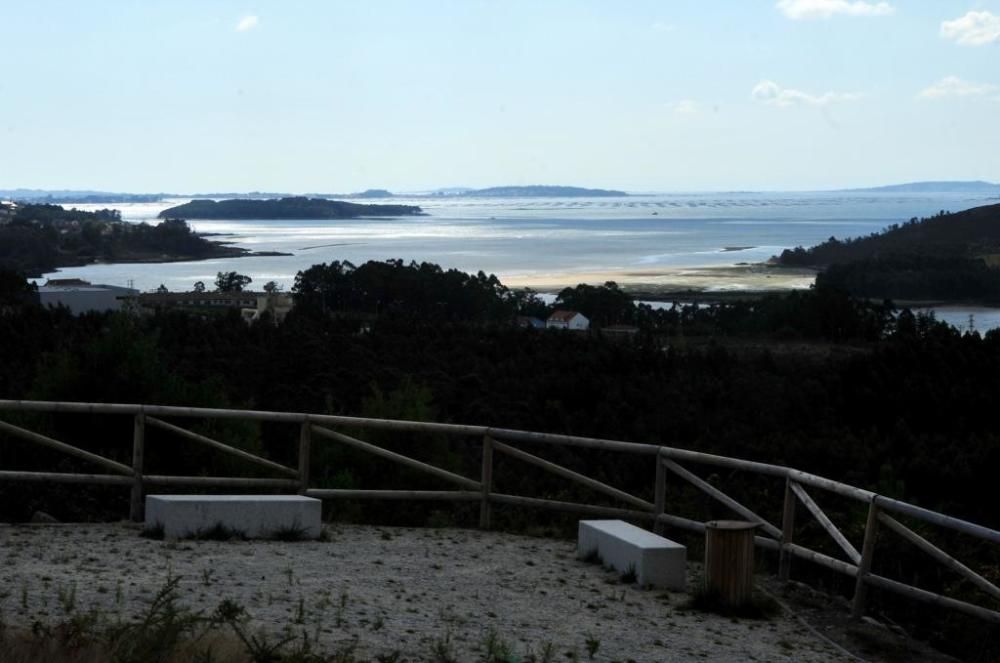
x=726, y=281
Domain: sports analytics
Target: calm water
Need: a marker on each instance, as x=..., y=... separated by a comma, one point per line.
x=520, y=238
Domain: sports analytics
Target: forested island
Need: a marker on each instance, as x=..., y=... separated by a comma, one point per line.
x=40, y=238
x=947, y=257
x=297, y=207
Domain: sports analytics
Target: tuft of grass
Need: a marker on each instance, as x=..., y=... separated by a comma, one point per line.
x=628, y=577
x=442, y=650
x=289, y=533
x=496, y=649
x=155, y=532
x=759, y=607
x=162, y=628
x=593, y=644
x=219, y=532
x=593, y=557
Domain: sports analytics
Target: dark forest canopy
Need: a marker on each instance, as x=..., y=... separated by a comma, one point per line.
x=44, y=237
x=973, y=233
x=298, y=207
x=861, y=393
x=945, y=257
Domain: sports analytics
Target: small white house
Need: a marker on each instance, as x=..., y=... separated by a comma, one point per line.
x=567, y=320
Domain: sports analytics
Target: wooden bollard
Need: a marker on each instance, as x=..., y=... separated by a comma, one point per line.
x=729, y=561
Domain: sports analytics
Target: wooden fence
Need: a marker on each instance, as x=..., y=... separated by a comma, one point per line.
x=853, y=562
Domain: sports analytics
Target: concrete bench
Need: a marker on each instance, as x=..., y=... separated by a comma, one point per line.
x=253, y=516
x=656, y=561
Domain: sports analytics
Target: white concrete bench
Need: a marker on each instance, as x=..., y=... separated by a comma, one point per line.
x=656, y=561
x=253, y=516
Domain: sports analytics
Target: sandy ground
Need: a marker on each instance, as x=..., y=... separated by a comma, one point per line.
x=388, y=589
x=749, y=277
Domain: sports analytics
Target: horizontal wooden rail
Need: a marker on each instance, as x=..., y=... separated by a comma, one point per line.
x=723, y=461
x=582, y=479
x=572, y=507
x=936, y=518
x=472, y=490
x=412, y=463
x=826, y=523
x=680, y=522
x=930, y=597
x=823, y=560
x=220, y=482
x=224, y=448
x=572, y=441
x=354, y=494
x=940, y=555
x=68, y=449
x=60, y=477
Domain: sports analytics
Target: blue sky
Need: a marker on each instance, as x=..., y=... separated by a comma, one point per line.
x=643, y=95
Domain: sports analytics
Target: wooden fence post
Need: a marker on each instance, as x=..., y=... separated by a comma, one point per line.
x=305, y=438
x=787, y=531
x=864, y=568
x=485, y=508
x=135, y=512
x=660, y=495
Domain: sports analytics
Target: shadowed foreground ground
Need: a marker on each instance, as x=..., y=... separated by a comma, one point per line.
x=419, y=592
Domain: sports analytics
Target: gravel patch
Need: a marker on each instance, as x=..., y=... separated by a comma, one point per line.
x=387, y=590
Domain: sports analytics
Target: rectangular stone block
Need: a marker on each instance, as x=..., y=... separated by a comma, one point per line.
x=657, y=561
x=254, y=516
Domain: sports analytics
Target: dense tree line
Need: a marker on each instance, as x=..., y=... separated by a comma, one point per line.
x=41, y=238
x=947, y=256
x=970, y=233
x=865, y=394
x=914, y=277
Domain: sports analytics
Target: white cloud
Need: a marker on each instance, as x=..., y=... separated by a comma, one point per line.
x=247, y=23
x=769, y=92
x=684, y=107
x=973, y=29
x=953, y=86
x=811, y=9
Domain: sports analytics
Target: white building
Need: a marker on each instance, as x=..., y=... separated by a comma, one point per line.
x=277, y=304
x=7, y=211
x=568, y=320
x=82, y=297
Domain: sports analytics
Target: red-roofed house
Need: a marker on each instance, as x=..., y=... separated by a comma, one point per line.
x=567, y=320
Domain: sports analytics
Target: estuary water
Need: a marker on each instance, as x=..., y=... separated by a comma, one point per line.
x=550, y=242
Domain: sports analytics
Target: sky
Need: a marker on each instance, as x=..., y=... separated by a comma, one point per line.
x=410, y=95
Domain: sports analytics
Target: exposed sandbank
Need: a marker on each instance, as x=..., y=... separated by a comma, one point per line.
x=731, y=278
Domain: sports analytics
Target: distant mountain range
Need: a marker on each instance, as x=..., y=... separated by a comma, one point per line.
x=64, y=196
x=977, y=186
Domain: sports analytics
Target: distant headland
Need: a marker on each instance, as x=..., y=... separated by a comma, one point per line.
x=976, y=186
x=35, y=239
x=283, y=208
x=947, y=257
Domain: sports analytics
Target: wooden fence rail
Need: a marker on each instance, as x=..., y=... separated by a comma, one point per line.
x=667, y=461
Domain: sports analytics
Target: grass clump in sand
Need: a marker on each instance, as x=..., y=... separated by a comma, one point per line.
x=166, y=632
